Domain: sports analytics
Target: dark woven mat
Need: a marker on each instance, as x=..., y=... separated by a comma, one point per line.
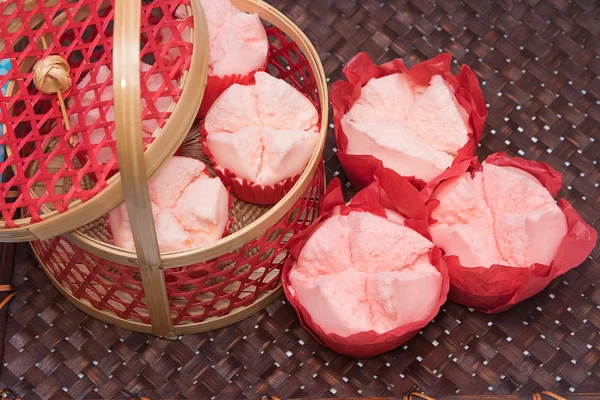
x=539, y=65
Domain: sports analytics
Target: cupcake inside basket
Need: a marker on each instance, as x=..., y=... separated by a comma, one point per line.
x=285, y=62
x=235, y=279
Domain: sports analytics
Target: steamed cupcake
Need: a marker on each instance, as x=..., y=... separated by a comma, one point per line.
x=368, y=267
x=414, y=130
x=190, y=208
x=417, y=122
x=500, y=215
x=238, y=48
x=364, y=278
x=260, y=138
x=505, y=237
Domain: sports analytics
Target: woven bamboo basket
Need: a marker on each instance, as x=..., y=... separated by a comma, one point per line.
x=204, y=288
x=54, y=130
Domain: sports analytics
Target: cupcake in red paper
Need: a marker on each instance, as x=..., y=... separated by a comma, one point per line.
x=238, y=48
x=260, y=138
x=417, y=122
x=190, y=208
x=362, y=280
x=504, y=236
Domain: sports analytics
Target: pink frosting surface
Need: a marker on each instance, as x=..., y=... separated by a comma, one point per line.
x=501, y=215
x=190, y=208
x=414, y=130
x=150, y=127
x=238, y=41
x=361, y=272
x=263, y=133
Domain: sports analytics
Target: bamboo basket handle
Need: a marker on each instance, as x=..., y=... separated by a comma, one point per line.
x=130, y=152
x=128, y=130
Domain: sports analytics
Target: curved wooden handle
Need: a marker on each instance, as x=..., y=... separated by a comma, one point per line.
x=128, y=122
x=128, y=130
x=130, y=152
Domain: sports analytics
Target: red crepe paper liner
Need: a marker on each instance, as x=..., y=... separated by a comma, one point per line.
x=229, y=205
x=388, y=191
x=216, y=85
x=244, y=189
x=361, y=69
x=499, y=287
x=179, y=150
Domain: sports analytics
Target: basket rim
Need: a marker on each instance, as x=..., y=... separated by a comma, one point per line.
x=256, y=228
x=211, y=323
x=162, y=148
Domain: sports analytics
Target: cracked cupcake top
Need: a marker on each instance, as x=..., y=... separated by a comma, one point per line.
x=361, y=272
x=500, y=215
x=414, y=130
x=238, y=41
x=190, y=208
x=264, y=133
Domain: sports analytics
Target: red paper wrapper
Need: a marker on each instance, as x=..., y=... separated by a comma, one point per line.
x=388, y=191
x=244, y=189
x=499, y=287
x=361, y=69
x=216, y=85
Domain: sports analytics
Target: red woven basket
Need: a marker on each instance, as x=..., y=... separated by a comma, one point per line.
x=205, y=288
x=59, y=118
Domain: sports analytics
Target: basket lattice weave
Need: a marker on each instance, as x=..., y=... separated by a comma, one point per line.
x=210, y=289
x=82, y=33
x=538, y=61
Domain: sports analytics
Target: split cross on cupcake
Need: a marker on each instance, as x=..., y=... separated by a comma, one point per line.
x=258, y=131
x=210, y=234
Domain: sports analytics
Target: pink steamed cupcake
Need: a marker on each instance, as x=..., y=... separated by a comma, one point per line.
x=362, y=279
x=504, y=236
x=417, y=122
x=190, y=208
x=238, y=48
x=260, y=138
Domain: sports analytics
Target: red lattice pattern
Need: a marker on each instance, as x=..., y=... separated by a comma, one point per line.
x=197, y=292
x=235, y=280
x=209, y=289
x=102, y=284
x=286, y=61
x=75, y=164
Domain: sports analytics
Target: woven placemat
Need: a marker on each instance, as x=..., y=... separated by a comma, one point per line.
x=538, y=61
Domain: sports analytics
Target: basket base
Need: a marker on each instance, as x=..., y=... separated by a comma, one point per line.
x=233, y=317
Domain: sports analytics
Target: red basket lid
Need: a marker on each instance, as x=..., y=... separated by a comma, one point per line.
x=60, y=170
